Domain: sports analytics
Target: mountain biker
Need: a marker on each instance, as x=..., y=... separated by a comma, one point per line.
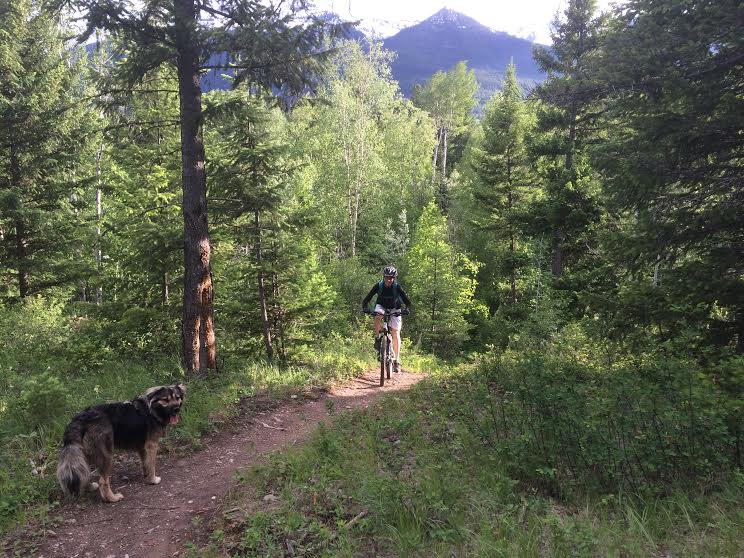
x=389, y=297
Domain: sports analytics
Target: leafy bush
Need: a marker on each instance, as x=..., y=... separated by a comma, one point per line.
x=566, y=416
x=42, y=400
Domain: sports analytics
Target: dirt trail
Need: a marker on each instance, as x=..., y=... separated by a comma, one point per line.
x=156, y=521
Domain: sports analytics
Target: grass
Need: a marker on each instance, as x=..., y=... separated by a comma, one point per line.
x=411, y=478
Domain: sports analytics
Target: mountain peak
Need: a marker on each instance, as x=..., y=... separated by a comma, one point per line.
x=447, y=16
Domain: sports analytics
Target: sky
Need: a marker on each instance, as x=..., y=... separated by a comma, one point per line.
x=529, y=19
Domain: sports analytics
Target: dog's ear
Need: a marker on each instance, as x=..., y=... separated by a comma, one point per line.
x=182, y=387
x=148, y=393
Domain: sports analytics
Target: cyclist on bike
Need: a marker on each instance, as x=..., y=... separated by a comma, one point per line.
x=389, y=297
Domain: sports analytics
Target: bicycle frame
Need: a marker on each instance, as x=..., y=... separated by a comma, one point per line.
x=386, y=345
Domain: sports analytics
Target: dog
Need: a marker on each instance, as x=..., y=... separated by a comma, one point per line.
x=91, y=436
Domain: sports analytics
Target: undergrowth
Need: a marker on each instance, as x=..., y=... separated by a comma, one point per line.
x=429, y=473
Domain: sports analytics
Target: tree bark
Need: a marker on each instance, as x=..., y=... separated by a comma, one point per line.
x=99, y=250
x=262, y=291
x=20, y=230
x=436, y=156
x=199, y=346
x=22, y=258
x=444, y=154
x=510, y=205
x=280, y=345
x=165, y=291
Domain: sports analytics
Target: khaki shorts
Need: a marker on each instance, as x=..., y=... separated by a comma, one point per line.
x=396, y=322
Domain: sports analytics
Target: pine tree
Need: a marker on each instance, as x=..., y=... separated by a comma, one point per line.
x=504, y=176
x=143, y=225
x=567, y=119
x=674, y=163
x=256, y=196
x=441, y=284
x=254, y=41
x=45, y=140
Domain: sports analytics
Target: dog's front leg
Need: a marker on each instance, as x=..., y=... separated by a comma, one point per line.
x=147, y=455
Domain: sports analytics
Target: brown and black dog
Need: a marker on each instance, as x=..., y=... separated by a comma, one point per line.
x=90, y=438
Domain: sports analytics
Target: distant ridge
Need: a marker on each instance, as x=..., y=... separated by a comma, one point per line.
x=437, y=43
x=447, y=37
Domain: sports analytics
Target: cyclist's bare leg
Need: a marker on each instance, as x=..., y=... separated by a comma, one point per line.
x=378, y=324
x=396, y=343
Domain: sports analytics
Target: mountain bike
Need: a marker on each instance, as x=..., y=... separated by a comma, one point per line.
x=385, y=352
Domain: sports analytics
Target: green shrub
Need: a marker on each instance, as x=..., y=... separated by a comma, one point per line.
x=42, y=400
x=565, y=417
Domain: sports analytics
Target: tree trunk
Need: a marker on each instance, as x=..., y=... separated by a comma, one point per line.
x=262, y=291
x=166, y=291
x=199, y=347
x=444, y=154
x=436, y=156
x=558, y=256
x=20, y=230
x=22, y=258
x=281, y=344
x=355, y=217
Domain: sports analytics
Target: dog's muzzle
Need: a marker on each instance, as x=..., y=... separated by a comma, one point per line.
x=173, y=417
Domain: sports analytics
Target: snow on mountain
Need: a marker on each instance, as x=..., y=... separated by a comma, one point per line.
x=379, y=28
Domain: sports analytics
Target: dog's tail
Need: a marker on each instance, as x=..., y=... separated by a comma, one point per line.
x=73, y=472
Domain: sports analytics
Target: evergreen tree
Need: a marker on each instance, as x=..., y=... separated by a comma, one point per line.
x=142, y=223
x=260, y=45
x=567, y=119
x=674, y=165
x=45, y=144
x=257, y=195
x=504, y=176
x=441, y=284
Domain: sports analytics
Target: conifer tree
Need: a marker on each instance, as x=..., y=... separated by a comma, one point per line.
x=441, y=284
x=257, y=42
x=256, y=195
x=143, y=229
x=675, y=162
x=503, y=169
x=45, y=136
x=566, y=119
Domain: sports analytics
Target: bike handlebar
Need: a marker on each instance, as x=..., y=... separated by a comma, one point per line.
x=402, y=312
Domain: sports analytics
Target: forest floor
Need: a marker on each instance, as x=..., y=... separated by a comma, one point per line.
x=159, y=521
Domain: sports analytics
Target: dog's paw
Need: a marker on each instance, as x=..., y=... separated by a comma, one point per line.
x=115, y=497
x=93, y=486
x=153, y=480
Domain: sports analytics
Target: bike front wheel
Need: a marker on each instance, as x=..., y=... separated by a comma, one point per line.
x=384, y=348
x=383, y=361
